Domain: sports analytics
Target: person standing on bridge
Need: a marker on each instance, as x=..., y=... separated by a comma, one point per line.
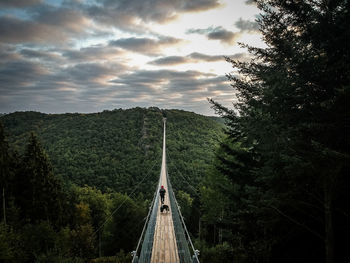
x=162, y=193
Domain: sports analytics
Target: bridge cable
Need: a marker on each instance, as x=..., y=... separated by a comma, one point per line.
x=109, y=217
x=196, y=252
x=144, y=226
x=186, y=180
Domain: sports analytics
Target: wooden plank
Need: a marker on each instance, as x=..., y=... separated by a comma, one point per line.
x=164, y=248
x=164, y=245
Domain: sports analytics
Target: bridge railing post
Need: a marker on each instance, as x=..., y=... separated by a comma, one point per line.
x=135, y=258
x=195, y=256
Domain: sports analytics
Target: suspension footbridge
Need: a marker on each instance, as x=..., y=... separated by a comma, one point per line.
x=164, y=238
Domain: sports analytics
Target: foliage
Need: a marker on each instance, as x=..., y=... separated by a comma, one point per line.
x=191, y=143
x=124, y=228
x=38, y=191
x=49, y=223
x=121, y=257
x=52, y=257
x=4, y=158
x=10, y=245
x=95, y=201
x=286, y=155
x=93, y=157
x=112, y=150
x=82, y=241
x=216, y=254
x=38, y=239
x=185, y=202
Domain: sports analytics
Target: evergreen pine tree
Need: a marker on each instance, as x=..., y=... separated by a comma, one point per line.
x=292, y=111
x=39, y=193
x=4, y=171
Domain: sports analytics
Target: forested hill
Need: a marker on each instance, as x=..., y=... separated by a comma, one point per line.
x=118, y=149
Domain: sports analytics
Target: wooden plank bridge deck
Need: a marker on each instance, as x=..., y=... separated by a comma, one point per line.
x=164, y=243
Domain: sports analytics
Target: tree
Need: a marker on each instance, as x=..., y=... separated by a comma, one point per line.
x=125, y=225
x=38, y=192
x=11, y=249
x=97, y=202
x=292, y=111
x=9, y=160
x=4, y=170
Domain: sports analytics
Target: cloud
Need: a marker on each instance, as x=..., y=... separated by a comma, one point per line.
x=128, y=13
x=55, y=27
x=242, y=57
x=202, y=31
x=19, y=73
x=18, y=3
x=164, y=81
x=69, y=20
x=87, y=87
x=223, y=35
x=186, y=90
x=191, y=58
x=250, y=2
x=247, y=26
x=29, y=85
x=86, y=73
x=202, y=57
x=45, y=24
x=39, y=54
x=145, y=45
x=217, y=33
x=73, y=55
x=8, y=53
x=14, y=30
x=171, y=60
x=93, y=53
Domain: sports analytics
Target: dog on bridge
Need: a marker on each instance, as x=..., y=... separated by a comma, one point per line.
x=164, y=208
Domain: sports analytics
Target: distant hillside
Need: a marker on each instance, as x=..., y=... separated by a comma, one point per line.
x=117, y=149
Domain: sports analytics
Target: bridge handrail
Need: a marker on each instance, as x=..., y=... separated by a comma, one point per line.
x=144, y=226
x=195, y=252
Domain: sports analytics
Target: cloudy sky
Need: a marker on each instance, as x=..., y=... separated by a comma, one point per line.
x=60, y=56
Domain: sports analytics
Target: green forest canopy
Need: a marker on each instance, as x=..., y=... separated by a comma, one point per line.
x=115, y=149
x=109, y=163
